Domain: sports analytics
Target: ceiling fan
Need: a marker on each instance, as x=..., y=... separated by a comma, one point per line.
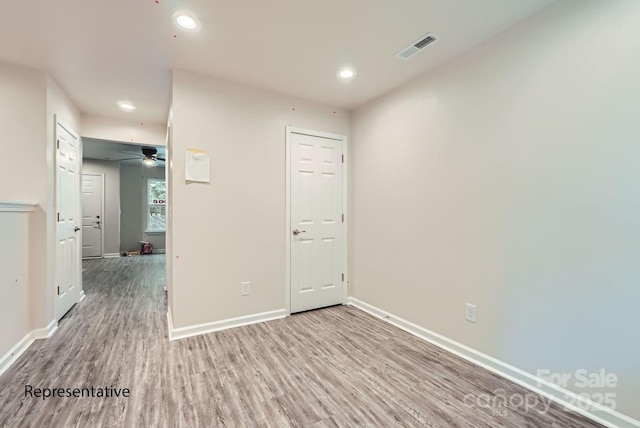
x=149, y=156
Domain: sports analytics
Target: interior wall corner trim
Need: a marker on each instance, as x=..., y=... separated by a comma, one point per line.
x=198, y=329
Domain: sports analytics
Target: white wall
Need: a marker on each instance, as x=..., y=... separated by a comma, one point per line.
x=110, y=170
x=126, y=131
x=508, y=178
x=60, y=104
x=22, y=113
x=29, y=100
x=14, y=281
x=23, y=169
x=133, y=191
x=232, y=229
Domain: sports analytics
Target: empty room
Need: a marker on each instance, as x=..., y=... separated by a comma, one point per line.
x=320, y=214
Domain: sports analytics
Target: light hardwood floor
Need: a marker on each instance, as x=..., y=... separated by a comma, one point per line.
x=325, y=368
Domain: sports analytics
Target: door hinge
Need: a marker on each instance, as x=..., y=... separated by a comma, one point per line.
x=343, y=218
x=342, y=158
x=57, y=144
x=58, y=290
x=58, y=216
x=342, y=277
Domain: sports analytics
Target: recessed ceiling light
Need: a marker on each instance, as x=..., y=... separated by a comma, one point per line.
x=346, y=73
x=185, y=20
x=126, y=106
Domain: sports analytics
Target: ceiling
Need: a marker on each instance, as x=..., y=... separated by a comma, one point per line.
x=101, y=52
x=93, y=148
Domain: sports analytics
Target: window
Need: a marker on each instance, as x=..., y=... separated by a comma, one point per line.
x=156, y=205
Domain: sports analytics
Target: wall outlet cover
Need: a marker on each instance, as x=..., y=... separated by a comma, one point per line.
x=245, y=288
x=470, y=312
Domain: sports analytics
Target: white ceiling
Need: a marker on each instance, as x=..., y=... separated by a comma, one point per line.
x=101, y=52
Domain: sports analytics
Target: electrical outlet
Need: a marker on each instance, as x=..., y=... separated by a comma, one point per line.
x=245, y=288
x=470, y=312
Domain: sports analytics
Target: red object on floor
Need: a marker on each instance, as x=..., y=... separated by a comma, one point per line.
x=146, y=248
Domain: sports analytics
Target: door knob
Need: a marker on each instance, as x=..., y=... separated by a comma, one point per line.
x=297, y=232
x=76, y=229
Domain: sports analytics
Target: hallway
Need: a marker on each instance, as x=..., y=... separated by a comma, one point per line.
x=115, y=337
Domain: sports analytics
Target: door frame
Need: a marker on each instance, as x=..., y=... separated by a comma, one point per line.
x=345, y=207
x=79, y=289
x=104, y=179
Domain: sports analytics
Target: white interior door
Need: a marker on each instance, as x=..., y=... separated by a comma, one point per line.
x=316, y=189
x=68, y=267
x=92, y=197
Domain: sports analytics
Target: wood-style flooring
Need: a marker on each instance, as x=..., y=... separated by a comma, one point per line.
x=336, y=367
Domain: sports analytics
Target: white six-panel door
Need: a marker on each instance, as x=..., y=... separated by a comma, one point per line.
x=67, y=209
x=316, y=220
x=92, y=196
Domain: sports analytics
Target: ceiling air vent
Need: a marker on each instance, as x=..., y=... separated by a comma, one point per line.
x=417, y=46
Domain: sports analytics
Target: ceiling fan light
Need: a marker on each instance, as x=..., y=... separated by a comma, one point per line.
x=149, y=161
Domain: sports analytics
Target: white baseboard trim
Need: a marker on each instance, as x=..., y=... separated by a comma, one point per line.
x=561, y=396
x=195, y=330
x=19, y=348
x=159, y=251
x=82, y=296
x=44, y=333
x=111, y=255
x=14, y=353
